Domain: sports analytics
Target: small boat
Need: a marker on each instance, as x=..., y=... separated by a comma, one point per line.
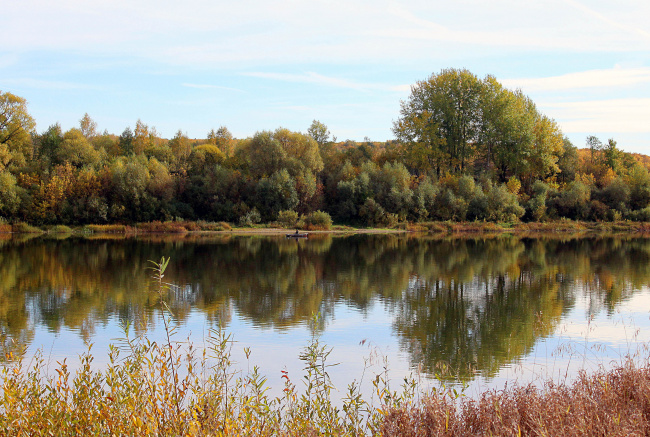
x=298, y=235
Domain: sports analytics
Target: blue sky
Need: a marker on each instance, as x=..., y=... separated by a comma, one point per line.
x=257, y=65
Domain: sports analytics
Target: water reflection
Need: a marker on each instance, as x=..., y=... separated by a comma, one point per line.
x=471, y=305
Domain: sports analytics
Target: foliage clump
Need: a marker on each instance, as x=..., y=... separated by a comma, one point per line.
x=288, y=219
x=251, y=218
x=317, y=220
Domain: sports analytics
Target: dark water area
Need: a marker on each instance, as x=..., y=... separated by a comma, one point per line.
x=469, y=309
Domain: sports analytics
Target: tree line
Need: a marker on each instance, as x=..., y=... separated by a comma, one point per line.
x=465, y=148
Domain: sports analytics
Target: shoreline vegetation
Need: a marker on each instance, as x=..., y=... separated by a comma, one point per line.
x=442, y=228
x=171, y=387
x=466, y=150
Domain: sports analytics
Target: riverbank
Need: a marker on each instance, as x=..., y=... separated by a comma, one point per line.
x=175, y=227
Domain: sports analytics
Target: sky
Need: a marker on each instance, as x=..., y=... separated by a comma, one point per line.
x=253, y=65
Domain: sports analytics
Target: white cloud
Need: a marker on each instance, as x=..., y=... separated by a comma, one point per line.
x=209, y=33
x=27, y=82
x=627, y=26
x=8, y=60
x=319, y=79
x=615, y=77
x=208, y=86
x=614, y=115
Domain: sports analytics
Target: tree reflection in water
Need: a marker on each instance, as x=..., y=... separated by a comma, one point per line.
x=470, y=304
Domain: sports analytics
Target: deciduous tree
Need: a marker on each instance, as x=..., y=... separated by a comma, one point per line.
x=88, y=127
x=446, y=107
x=16, y=125
x=319, y=132
x=223, y=139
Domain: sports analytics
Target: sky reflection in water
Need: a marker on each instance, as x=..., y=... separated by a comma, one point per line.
x=483, y=311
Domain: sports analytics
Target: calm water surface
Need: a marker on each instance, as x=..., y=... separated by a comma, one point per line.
x=483, y=311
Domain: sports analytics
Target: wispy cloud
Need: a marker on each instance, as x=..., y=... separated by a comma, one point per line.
x=614, y=77
x=8, y=60
x=615, y=115
x=319, y=79
x=625, y=27
x=209, y=33
x=210, y=87
x=47, y=84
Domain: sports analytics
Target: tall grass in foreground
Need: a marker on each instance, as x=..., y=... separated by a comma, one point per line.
x=172, y=388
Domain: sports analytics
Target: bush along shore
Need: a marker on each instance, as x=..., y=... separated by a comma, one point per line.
x=321, y=222
x=172, y=388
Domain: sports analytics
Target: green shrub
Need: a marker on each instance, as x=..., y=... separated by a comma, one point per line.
x=573, y=202
x=251, y=218
x=60, y=229
x=478, y=208
x=536, y=207
x=373, y=213
x=598, y=211
x=448, y=206
x=288, y=219
x=318, y=220
x=641, y=215
x=503, y=205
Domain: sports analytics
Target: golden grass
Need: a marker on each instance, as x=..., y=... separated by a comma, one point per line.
x=108, y=229
x=161, y=228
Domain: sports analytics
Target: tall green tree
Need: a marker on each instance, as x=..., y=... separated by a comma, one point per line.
x=507, y=131
x=76, y=150
x=223, y=139
x=422, y=146
x=568, y=162
x=125, y=142
x=276, y=193
x=16, y=126
x=180, y=147
x=445, y=107
x=48, y=144
x=319, y=132
x=612, y=155
x=269, y=152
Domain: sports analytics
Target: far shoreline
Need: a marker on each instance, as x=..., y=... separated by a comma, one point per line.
x=561, y=227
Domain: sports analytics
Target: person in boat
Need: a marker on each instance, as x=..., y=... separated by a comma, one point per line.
x=297, y=232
